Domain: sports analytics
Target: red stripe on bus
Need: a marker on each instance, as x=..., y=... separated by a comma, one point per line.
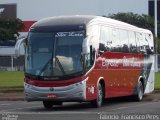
x=43, y=83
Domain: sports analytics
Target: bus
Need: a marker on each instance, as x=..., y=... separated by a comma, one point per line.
x=86, y=59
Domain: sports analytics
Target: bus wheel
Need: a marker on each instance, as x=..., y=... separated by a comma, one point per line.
x=140, y=91
x=48, y=104
x=99, y=100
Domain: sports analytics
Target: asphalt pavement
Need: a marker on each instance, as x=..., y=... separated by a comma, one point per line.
x=118, y=108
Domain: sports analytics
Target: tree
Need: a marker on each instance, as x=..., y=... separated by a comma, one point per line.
x=9, y=28
x=142, y=21
x=157, y=41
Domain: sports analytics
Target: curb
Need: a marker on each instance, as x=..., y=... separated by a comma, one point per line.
x=11, y=96
x=18, y=95
x=11, y=99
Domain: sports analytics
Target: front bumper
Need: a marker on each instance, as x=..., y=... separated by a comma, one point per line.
x=73, y=92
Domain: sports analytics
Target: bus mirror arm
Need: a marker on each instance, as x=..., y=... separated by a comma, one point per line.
x=18, y=45
x=86, y=44
x=92, y=54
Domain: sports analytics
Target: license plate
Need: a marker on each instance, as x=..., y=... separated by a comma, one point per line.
x=51, y=96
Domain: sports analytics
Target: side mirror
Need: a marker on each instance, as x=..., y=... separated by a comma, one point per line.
x=92, y=54
x=18, y=45
x=86, y=44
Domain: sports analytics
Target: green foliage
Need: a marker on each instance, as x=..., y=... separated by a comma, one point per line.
x=9, y=28
x=158, y=30
x=157, y=41
x=142, y=21
x=134, y=19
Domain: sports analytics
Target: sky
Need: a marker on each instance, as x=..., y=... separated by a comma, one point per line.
x=38, y=9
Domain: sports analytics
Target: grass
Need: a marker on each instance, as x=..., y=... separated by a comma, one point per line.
x=157, y=81
x=14, y=80
x=11, y=80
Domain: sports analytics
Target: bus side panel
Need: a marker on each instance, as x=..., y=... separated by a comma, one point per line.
x=91, y=84
x=120, y=72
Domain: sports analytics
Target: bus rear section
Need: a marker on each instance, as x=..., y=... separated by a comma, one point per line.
x=126, y=60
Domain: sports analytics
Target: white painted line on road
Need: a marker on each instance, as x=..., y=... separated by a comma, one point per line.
x=139, y=105
x=52, y=113
x=59, y=112
x=5, y=104
x=15, y=102
x=17, y=109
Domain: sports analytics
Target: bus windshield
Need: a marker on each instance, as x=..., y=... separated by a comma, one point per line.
x=54, y=54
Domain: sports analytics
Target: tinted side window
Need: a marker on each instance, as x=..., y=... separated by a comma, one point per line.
x=115, y=46
x=132, y=42
x=93, y=33
x=143, y=44
x=124, y=41
x=138, y=37
x=105, y=41
x=150, y=48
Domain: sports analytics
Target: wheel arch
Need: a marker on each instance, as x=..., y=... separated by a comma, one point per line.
x=142, y=80
x=102, y=82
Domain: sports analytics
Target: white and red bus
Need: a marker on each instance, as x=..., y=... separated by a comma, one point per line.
x=87, y=58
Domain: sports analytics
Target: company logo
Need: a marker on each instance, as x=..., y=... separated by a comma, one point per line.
x=51, y=89
x=69, y=34
x=1, y=10
x=125, y=62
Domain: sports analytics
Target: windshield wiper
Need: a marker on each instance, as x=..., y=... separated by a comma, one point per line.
x=45, y=66
x=60, y=65
x=74, y=74
x=33, y=76
x=49, y=61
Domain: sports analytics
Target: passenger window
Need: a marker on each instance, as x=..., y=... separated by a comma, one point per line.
x=132, y=42
x=103, y=35
x=93, y=33
x=124, y=41
x=105, y=41
x=137, y=40
x=115, y=40
x=143, y=43
x=150, y=48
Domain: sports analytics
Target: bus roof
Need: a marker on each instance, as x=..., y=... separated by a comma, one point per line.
x=62, y=22
x=78, y=22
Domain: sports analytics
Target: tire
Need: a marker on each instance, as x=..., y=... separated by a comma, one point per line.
x=99, y=100
x=140, y=91
x=48, y=104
